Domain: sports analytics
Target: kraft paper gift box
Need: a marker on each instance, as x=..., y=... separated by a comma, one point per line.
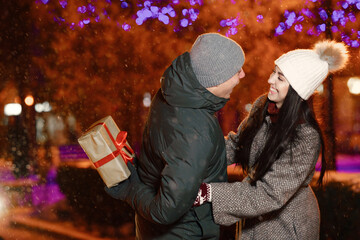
x=108, y=150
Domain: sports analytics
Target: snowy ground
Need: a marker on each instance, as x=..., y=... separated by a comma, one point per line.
x=28, y=210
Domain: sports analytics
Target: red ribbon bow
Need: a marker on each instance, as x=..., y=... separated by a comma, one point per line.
x=119, y=143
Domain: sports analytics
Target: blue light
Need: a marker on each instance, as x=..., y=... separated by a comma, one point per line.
x=343, y=21
x=146, y=13
x=233, y=23
x=300, y=19
x=163, y=18
x=147, y=4
x=91, y=8
x=352, y=1
x=192, y=2
x=184, y=22
x=286, y=13
x=280, y=29
x=193, y=14
x=232, y=31
x=291, y=16
x=184, y=12
x=345, y=12
x=59, y=19
x=323, y=14
x=352, y=17
x=126, y=27
x=82, y=9
x=139, y=21
x=354, y=44
x=154, y=10
x=223, y=23
x=345, y=38
x=124, y=5
x=311, y=31
x=298, y=27
x=334, y=29
x=321, y=27
x=172, y=12
x=63, y=3
x=307, y=12
x=72, y=26
x=337, y=15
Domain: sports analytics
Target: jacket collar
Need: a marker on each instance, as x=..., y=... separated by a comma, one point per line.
x=180, y=87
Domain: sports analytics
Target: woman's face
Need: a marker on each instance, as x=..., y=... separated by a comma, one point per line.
x=279, y=87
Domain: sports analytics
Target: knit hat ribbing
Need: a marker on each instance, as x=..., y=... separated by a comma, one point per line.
x=215, y=59
x=306, y=69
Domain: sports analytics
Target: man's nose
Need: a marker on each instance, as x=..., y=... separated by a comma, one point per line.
x=242, y=74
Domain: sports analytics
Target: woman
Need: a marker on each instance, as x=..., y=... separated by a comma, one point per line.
x=278, y=146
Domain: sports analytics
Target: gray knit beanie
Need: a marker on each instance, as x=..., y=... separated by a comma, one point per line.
x=215, y=59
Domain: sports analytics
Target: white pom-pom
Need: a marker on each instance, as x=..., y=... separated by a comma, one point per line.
x=334, y=53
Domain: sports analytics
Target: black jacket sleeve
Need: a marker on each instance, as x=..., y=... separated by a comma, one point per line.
x=187, y=160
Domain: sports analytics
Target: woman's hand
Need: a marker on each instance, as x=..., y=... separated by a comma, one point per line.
x=204, y=195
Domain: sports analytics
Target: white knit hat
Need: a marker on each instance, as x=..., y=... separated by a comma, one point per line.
x=306, y=69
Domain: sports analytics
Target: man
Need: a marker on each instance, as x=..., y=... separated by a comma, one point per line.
x=183, y=144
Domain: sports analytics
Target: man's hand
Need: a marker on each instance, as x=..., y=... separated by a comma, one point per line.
x=123, y=190
x=204, y=195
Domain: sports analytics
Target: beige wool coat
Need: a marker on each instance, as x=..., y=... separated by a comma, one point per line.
x=282, y=204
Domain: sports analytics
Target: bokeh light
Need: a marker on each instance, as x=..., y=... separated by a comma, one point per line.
x=164, y=12
x=354, y=85
x=29, y=100
x=12, y=109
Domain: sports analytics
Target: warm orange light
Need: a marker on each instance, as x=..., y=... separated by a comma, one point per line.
x=354, y=85
x=17, y=100
x=29, y=100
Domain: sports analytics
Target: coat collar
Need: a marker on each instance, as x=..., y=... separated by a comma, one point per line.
x=180, y=87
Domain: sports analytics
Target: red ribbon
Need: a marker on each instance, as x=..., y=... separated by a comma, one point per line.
x=119, y=143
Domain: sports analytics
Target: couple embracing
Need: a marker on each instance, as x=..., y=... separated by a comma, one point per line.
x=178, y=186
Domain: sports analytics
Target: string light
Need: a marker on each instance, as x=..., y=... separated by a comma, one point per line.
x=148, y=11
x=339, y=18
x=164, y=12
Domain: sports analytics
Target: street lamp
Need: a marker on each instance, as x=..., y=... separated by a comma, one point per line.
x=12, y=109
x=354, y=88
x=29, y=100
x=354, y=85
x=43, y=107
x=147, y=99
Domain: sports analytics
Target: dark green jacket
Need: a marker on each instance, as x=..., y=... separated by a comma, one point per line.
x=183, y=146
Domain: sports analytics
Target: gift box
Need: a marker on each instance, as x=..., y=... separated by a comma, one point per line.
x=108, y=150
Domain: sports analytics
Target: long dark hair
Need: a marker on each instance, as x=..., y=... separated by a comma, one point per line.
x=282, y=133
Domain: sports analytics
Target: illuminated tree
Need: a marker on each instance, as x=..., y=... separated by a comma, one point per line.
x=101, y=69
x=100, y=57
